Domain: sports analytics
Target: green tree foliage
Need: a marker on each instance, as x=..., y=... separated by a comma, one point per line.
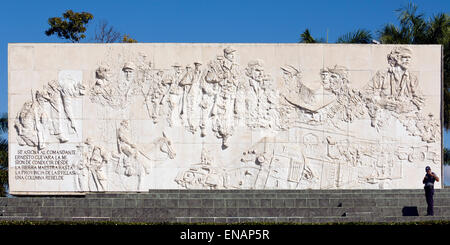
x=359, y=36
x=306, y=37
x=3, y=155
x=71, y=26
x=446, y=156
x=127, y=39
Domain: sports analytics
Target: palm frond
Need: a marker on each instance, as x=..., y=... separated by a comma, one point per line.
x=359, y=36
x=4, y=123
x=391, y=34
x=439, y=29
x=306, y=37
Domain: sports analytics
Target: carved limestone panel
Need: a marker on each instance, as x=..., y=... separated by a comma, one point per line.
x=212, y=116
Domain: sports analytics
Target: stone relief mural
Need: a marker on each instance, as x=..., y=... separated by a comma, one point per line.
x=50, y=112
x=310, y=132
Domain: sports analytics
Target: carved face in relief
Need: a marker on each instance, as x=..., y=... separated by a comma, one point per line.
x=400, y=57
x=128, y=70
x=258, y=73
x=103, y=73
x=334, y=79
x=325, y=75
x=255, y=70
x=404, y=60
x=229, y=56
x=287, y=76
x=228, y=53
x=27, y=107
x=177, y=69
x=39, y=97
x=197, y=66
x=129, y=74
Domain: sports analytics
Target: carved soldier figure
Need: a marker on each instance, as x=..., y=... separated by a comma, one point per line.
x=291, y=77
x=81, y=170
x=397, y=88
x=192, y=101
x=52, y=95
x=210, y=90
x=90, y=168
x=349, y=103
x=261, y=99
x=25, y=125
x=97, y=161
x=186, y=84
x=156, y=94
x=175, y=94
x=127, y=86
x=69, y=89
x=128, y=70
x=133, y=163
x=225, y=72
x=127, y=148
x=102, y=89
x=31, y=123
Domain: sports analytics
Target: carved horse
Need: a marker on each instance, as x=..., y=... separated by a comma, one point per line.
x=140, y=162
x=163, y=146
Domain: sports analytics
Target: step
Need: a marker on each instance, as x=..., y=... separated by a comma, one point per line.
x=230, y=220
x=268, y=194
x=218, y=202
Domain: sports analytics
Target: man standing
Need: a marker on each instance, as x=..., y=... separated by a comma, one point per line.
x=429, y=179
x=224, y=72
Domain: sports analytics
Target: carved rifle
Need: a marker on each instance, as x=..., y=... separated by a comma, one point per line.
x=146, y=100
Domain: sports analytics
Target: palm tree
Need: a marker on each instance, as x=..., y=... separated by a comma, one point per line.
x=359, y=36
x=446, y=156
x=415, y=29
x=3, y=155
x=306, y=37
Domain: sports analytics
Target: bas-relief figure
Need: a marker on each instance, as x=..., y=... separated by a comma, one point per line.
x=222, y=96
x=50, y=112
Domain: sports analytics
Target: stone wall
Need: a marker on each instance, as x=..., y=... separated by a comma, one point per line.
x=133, y=117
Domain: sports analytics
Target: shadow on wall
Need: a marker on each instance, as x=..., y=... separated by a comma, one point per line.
x=410, y=211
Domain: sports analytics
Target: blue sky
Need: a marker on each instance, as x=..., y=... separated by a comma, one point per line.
x=225, y=21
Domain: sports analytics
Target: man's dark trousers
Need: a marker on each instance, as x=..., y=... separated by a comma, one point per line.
x=429, y=192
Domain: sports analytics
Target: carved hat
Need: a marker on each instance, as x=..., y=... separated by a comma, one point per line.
x=228, y=50
x=403, y=51
x=256, y=63
x=339, y=70
x=129, y=65
x=290, y=69
x=176, y=64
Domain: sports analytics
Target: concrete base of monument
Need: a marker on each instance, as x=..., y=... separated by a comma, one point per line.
x=232, y=206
